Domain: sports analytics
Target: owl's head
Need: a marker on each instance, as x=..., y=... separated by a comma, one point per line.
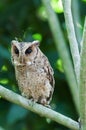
x=24, y=53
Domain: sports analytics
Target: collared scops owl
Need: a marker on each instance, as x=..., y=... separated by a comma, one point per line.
x=33, y=71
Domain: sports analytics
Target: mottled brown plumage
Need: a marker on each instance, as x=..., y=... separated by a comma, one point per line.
x=33, y=71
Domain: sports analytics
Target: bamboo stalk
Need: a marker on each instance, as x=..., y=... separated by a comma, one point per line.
x=63, y=51
x=72, y=37
x=82, y=91
x=77, y=20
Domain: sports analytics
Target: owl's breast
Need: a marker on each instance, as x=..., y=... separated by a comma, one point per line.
x=28, y=77
x=32, y=83
x=35, y=77
x=21, y=76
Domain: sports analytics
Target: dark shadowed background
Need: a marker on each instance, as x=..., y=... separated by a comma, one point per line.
x=27, y=21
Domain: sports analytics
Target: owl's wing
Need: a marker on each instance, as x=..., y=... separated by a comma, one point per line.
x=49, y=71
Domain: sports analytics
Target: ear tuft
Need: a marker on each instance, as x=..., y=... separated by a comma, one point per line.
x=13, y=41
x=37, y=43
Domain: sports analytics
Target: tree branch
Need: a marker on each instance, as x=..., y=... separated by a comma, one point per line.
x=37, y=108
x=63, y=51
x=72, y=37
x=82, y=90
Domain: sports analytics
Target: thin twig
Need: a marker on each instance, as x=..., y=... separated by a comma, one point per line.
x=82, y=90
x=72, y=37
x=37, y=108
x=63, y=51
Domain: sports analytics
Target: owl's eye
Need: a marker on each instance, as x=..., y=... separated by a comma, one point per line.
x=28, y=51
x=16, y=50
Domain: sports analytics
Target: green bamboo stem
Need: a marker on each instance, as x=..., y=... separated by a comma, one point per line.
x=72, y=37
x=82, y=91
x=37, y=108
x=76, y=20
x=63, y=51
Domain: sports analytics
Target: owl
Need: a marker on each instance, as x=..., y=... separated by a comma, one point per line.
x=33, y=71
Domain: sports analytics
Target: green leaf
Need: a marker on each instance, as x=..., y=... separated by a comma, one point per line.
x=41, y=12
x=59, y=65
x=57, y=6
x=4, y=68
x=4, y=81
x=37, y=36
x=84, y=0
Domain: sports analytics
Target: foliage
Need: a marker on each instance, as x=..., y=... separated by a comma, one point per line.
x=27, y=20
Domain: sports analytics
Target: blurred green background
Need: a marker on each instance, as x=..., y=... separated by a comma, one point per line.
x=27, y=21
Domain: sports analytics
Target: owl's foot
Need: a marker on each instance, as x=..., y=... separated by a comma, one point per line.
x=32, y=100
x=48, y=106
x=24, y=95
x=44, y=103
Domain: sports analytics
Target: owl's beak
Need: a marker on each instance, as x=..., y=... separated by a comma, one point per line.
x=21, y=60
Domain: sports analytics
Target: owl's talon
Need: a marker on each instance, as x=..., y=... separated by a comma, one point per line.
x=23, y=94
x=48, y=106
x=32, y=101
